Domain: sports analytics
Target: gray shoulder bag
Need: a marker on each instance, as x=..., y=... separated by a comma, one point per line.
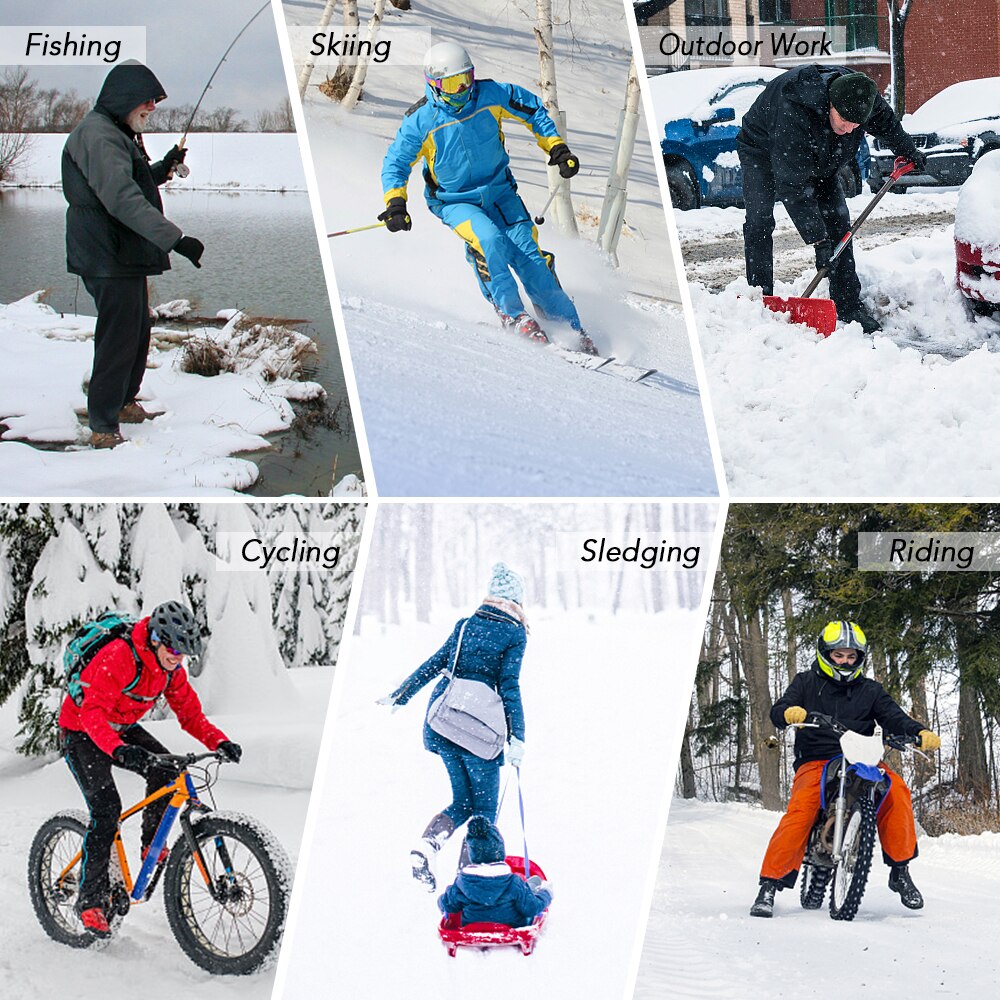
x=469, y=713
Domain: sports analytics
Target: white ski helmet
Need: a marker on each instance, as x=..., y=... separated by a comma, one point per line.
x=449, y=72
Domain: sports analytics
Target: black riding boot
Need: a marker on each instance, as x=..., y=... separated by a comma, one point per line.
x=764, y=903
x=900, y=881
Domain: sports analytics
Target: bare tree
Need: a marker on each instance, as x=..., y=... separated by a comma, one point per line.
x=336, y=86
x=310, y=64
x=356, y=88
x=615, y=195
x=899, y=12
x=18, y=105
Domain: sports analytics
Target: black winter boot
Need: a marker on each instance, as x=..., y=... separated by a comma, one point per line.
x=439, y=829
x=764, y=903
x=861, y=315
x=900, y=881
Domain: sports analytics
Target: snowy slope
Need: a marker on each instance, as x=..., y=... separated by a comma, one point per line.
x=596, y=774
x=453, y=405
x=701, y=941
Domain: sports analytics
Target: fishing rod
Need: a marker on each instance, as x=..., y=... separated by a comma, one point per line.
x=182, y=169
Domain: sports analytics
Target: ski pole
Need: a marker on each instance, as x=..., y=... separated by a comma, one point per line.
x=540, y=218
x=360, y=229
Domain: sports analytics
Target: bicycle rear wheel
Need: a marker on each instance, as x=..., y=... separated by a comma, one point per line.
x=237, y=930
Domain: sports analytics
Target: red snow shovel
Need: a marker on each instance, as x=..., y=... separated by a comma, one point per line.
x=821, y=314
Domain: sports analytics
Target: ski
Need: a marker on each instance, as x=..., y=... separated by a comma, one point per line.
x=607, y=366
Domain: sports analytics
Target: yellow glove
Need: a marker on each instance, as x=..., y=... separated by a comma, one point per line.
x=795, y=714
x=929, y=740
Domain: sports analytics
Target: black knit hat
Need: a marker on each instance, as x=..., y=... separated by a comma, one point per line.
x=853, y=95
x=484, y=841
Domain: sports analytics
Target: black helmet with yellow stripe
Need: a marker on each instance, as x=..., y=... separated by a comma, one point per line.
x=842, y=635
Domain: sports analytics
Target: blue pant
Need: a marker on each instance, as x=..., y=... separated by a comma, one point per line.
x=501, y=238
x=475, y=787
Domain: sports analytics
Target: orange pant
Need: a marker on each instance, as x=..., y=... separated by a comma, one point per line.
x=788, y=842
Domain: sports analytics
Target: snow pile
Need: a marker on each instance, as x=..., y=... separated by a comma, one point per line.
x=186, y=451
x=174, y=309
x=227, y=161
x=701, y=940
x=977, y=218
x=789, y=404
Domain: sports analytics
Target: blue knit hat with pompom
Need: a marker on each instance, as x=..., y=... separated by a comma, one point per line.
x=484, y=840
x=505, y=583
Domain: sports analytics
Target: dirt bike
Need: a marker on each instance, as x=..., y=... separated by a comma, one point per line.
x=841, y=842
x=226, y=879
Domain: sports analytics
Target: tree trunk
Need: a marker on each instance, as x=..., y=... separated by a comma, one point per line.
x=688, y=786
x=616, y=193
x=757, y=672
x=424, y=554
x=310, y=64
x=898, y=15
x=356, y=88
x=973, y=776
x=791, y=647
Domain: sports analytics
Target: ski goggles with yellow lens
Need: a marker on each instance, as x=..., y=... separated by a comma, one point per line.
x=458, y=83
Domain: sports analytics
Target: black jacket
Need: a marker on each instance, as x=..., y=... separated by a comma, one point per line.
x=114, y=224
x=858, y=706
x=789, y=124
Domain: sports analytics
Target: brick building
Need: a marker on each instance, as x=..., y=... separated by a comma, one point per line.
x=945, y=43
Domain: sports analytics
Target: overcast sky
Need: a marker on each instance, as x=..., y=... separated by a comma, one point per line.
x=185, y=39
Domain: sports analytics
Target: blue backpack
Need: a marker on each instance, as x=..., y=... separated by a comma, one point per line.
x=88, y=641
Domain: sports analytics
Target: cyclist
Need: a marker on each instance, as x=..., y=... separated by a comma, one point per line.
x=120, y=685
x=835, y=685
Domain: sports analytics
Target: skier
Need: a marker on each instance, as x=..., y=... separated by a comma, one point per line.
x=486, y=890
x=456, y=128
x=116, y=235
x=120, y=685
x=835, y=685
x=805, y=125
x=492, y=646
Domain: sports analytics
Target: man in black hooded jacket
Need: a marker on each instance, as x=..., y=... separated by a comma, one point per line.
x=117, y=235
x=805, y=125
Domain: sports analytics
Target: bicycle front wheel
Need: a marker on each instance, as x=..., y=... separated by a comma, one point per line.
x=234, y=928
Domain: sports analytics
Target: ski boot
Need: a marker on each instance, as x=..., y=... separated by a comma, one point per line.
x=440, y=828
x=763, y=905
x=525, y=325
x=900, y=881
x=587, y=346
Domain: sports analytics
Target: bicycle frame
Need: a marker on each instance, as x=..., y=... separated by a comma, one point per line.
x=182, y=793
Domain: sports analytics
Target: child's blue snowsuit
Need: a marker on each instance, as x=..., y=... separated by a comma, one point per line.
x=492, y=893
x=470, y=188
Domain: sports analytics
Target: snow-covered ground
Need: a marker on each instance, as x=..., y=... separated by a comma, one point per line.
x=185, y=452
x=702, y=942
x=904, y=412
x=271, y=784
x=452, y=404
x=227, y=161
x=604, y=708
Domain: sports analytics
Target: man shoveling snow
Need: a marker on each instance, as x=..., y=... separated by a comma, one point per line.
x=805, y=125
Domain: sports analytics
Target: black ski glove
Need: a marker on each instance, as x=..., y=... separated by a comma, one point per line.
x=188, y=246
x=134, y=758
x=173, y=156
x=561, y=157
x=230, y=751
x=917, y=159
x=395, y=216
x=824, y=251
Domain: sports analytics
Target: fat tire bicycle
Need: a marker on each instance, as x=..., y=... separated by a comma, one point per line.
x=226, y=879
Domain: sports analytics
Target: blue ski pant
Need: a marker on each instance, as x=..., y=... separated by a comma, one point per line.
x=500, y=239
x=475, y=787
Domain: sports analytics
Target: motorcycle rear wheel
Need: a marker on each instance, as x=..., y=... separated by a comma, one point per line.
x=850, y=876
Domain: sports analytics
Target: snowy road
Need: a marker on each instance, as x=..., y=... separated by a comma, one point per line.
x=701, y=941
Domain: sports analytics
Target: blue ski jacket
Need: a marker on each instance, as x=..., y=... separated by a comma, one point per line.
x=463, y=148
x=492, y=893
x=492, y=647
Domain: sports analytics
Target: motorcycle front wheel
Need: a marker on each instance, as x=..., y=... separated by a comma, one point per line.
x=812, y=889
x=850, y=876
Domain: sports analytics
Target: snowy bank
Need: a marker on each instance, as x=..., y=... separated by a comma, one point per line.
x=185, y=452
x=225, y=161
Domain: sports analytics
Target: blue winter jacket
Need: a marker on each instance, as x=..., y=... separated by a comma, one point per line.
x=463, y=148
x=493, y=894
x=492, y=647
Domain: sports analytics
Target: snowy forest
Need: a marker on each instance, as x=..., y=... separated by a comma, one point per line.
x=64, y=564
x=460, y=543
x=787, y=569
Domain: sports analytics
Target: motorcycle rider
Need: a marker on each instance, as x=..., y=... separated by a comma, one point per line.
x=835, y=685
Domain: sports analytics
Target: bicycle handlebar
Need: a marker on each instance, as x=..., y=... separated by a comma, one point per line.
x=183, y=760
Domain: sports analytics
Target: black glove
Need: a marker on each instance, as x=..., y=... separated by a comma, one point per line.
x=395, y=216
x=917, y=159
x=230, y=751
x=134, y=758
x=188, y=246
x=173, y=156
x=561, y=157
x=824, y=251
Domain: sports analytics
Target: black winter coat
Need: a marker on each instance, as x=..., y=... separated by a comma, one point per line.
x=114, y=224
x=789, y=124
x=858, y=706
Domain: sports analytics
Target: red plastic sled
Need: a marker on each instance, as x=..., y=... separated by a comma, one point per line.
x=483, y=935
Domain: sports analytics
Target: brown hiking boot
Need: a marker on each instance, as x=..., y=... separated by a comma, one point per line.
x=99, y=439
x=135, y=413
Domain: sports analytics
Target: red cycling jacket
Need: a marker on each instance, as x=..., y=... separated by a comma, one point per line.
x=106, y=708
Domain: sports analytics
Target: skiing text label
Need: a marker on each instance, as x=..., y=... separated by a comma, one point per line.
x=645, y=556
x=331, y=43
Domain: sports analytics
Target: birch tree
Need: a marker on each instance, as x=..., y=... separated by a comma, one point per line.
x=310, y=64
x=355, y=90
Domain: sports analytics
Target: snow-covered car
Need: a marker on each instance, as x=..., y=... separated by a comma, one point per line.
x=953, y=129
x=977, y=234
x=703, y=110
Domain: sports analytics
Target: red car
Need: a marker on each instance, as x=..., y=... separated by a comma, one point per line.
x=977, y=235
